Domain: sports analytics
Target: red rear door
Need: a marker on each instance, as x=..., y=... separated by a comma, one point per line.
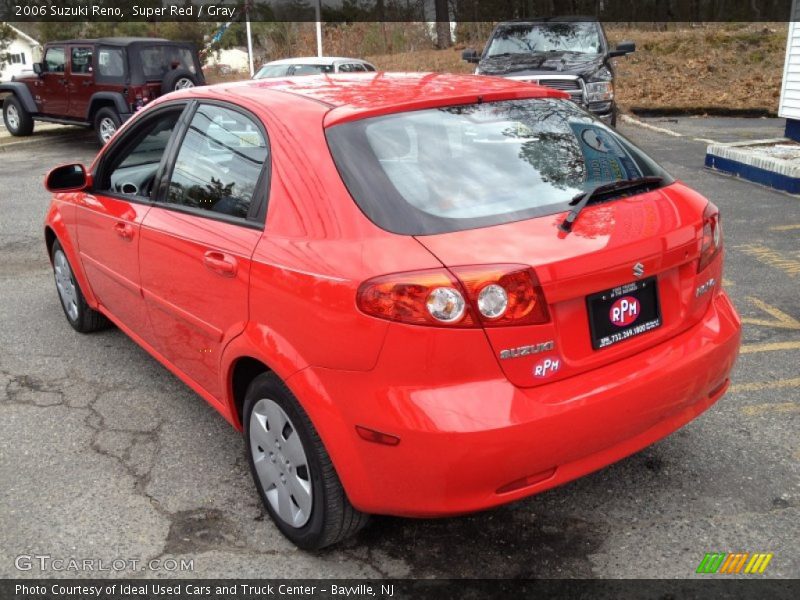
x=197, y=244
x=651, y=235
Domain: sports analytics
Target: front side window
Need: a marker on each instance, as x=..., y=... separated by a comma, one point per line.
x=461, y=167
x=81, y=61
x=528, y=38
x=54, y=59
x=219, y=163
x=132, y=170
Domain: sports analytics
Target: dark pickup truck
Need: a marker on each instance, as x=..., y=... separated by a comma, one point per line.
x=569, y=54
x=98, y=83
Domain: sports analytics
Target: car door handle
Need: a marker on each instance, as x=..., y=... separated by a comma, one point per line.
x=87, y=83
x=222, y=264
x=124, y=231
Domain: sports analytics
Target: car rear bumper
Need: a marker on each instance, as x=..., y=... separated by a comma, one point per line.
x=464, y=446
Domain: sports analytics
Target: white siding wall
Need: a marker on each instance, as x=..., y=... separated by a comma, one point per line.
x=789, y=106
x=18, y=47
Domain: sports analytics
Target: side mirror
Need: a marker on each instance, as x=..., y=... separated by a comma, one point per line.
x=68, y=178
x=38, y=68
x=622, y=49
x=470, y=55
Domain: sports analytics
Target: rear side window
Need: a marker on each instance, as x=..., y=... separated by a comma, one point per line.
x=81, y=61
x=110, y=64
x=462, y=167
x=219, y=163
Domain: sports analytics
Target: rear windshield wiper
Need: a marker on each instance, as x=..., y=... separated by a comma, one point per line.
x=581, y=200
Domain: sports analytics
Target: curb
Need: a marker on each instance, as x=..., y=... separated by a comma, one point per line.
x=633, y=121
x=736, y=158
x=33, y=142
x=36, y=140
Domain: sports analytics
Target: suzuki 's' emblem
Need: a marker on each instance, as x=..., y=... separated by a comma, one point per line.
x=638, y=269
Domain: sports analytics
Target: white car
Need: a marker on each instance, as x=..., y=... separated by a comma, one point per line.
x=313, y=65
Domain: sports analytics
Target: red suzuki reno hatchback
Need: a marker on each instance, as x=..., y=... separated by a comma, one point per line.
x=416, y=294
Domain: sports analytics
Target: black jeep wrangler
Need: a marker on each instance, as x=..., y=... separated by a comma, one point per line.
x=98, y=83
x=569, y=54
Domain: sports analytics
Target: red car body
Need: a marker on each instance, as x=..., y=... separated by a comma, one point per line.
x=463, y=429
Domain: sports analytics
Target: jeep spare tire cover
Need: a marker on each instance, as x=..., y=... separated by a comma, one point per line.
x=177, y=79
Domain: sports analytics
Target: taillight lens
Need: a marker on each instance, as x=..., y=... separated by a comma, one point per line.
x=711, y=244
x=523, y=304
x=431, y=297
x=494, y=295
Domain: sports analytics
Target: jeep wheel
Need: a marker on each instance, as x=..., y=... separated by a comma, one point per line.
x=18, y=120
x=179, y=79
x=106, y=123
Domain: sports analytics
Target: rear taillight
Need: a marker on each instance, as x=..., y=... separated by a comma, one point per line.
x=711, y=243
x=493, y=295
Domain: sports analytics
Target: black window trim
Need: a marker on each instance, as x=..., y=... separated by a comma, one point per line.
x=123, y=143
x=256, y=217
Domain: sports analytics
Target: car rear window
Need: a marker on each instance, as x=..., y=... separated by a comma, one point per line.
x=158, y=60
x=461, y=167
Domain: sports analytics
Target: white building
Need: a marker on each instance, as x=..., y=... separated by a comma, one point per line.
x=234, y=58
x=20, y=55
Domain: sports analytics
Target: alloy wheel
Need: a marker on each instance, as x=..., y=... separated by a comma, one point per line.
x=12, y=117
x=184, y=83
x=107, y=129
x=280, y=462
x=65, y=282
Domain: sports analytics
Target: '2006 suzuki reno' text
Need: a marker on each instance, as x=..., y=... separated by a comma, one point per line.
x=416, y=294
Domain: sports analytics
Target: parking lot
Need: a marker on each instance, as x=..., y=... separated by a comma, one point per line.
x=105, y=454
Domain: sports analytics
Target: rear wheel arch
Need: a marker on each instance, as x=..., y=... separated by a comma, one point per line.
x=100, y=100
x=243, y=371
x=97, y=105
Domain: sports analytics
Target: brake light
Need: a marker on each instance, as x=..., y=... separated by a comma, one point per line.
x=491, y=295
x=504, y=294
x=711, y=243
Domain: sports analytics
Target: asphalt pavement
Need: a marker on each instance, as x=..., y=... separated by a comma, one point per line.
x=106, y=455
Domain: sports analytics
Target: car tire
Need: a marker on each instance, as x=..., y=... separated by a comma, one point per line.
x=614, y=112
x=177, y=79
x=80, y=315
x=106, y=123
x=287, y=460
x=18, y=121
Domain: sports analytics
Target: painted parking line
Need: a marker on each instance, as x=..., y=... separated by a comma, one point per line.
x=773, y=347
x=771, y=258
x=766, y=385
x=755, y=410
x=780, y=320
x=785, y=227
